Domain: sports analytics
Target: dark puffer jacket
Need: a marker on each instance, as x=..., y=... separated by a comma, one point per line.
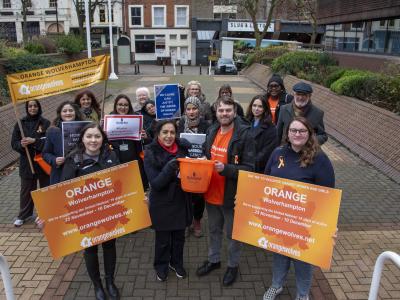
x=170, y=206
x=34, y=127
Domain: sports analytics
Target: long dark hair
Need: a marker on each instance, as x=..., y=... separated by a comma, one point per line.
x=78, y=116
x=311, y=147
x=80, y=147
x=39, y=108
x=94, y=105
x=266, y=116
x=122, y=96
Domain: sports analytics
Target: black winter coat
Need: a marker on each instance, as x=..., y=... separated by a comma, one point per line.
x=74, y=166
x=170, y=206
x=266, y=140
x=34, y=128
x=241, y=153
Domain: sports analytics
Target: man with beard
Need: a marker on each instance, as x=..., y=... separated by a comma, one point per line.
x=301, y=106
x=230, y=146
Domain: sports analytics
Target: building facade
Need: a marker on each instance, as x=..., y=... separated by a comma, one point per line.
x=369, y=27
x=159, y=30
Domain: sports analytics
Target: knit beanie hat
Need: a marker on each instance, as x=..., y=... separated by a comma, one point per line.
x=193, y=100
x=278, y=79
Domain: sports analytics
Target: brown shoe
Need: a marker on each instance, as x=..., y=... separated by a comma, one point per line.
x=197, y=229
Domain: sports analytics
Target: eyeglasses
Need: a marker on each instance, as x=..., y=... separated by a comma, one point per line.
x=299, y=131
x=274, y=86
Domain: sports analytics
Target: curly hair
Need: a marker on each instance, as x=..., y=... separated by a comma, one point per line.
x=94, y=105
x=311, y=148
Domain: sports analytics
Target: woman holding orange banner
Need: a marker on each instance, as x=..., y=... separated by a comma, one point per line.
x=301, y=159
x=34, y=127
x=53, y=148
x=93, y=154
x=170, y=206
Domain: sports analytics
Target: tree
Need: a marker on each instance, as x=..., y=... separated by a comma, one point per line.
x=80, y=11
x=252, y=7
x=307, y=10
x=25, y=4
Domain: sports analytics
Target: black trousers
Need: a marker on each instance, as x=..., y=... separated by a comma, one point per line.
x=169, y=249
x=92, y=261
x=198, y=206
x=25, y=201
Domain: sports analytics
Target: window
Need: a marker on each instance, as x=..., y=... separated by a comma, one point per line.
x=183, y=36
x=102, y=14
x=159, y=15
x=391, y=23
x=181, y=15
x=144, y=43
x=357, y=25
x=382, y=23
x=52, y=3
x=172, y=37
x=136, y=15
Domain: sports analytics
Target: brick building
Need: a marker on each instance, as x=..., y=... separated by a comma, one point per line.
x=159, y=29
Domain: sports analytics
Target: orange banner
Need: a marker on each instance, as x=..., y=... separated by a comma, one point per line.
x=92, y=209
x=288, y=217
x=59, y=79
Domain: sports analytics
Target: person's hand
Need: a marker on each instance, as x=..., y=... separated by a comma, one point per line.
x=40, y=223
x=143, y=134
x=172, y=165
x=219, y=166
x=27, y=141
x=60, y=161
x=334, y=237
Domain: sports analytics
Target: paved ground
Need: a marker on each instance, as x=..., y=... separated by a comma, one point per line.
x=368, y=225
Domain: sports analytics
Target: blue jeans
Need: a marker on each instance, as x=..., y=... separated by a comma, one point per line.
x=303, y=273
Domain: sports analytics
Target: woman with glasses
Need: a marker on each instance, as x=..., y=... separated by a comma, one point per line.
x=128, y=150
x=194, y=89
x=276, y=96
x=300, y=159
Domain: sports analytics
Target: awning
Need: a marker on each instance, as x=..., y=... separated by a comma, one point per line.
x=205, y=35
x=300, y=28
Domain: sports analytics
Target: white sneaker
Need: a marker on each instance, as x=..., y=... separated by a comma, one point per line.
x=303, y=298
x=18, y=222
x=272, y=293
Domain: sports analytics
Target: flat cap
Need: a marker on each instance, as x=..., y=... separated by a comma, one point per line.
x=302, y=87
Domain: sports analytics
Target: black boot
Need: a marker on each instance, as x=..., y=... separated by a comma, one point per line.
x=110, y=259
x=112, y=289
x=92, y=266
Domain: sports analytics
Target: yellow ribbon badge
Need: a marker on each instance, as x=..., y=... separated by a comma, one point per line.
x=281, y=162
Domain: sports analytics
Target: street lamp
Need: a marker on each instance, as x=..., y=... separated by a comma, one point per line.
x=87, y=20
x=113, y=76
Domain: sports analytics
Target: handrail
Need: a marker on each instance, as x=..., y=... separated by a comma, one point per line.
x=5, y=274
x=376, y=277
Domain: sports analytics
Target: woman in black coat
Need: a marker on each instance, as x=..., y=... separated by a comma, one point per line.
x=127, y=150
x=262, y=131
x=170, y=206
x=192, y=123
x=93, y=154
x=34, y=127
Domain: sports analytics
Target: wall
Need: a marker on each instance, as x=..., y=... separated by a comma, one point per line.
x=369, y=131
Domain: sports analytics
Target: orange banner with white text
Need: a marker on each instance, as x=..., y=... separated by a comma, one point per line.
x=288, y=217
x=37, y=84
x=89, y=210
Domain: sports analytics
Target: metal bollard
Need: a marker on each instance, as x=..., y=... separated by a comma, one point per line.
x=181, y=69
x=138, y=69
x=200, y=69
x=163, y=67
x=135, y=69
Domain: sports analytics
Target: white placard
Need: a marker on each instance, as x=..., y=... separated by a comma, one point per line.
x=123, y=127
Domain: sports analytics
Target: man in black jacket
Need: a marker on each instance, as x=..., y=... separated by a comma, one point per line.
x=230, y=146
x=301, y=106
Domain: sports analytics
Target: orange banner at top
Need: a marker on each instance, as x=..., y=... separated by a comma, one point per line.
x=37, y=84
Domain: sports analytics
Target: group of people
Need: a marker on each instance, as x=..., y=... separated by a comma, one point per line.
x=278, y=135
